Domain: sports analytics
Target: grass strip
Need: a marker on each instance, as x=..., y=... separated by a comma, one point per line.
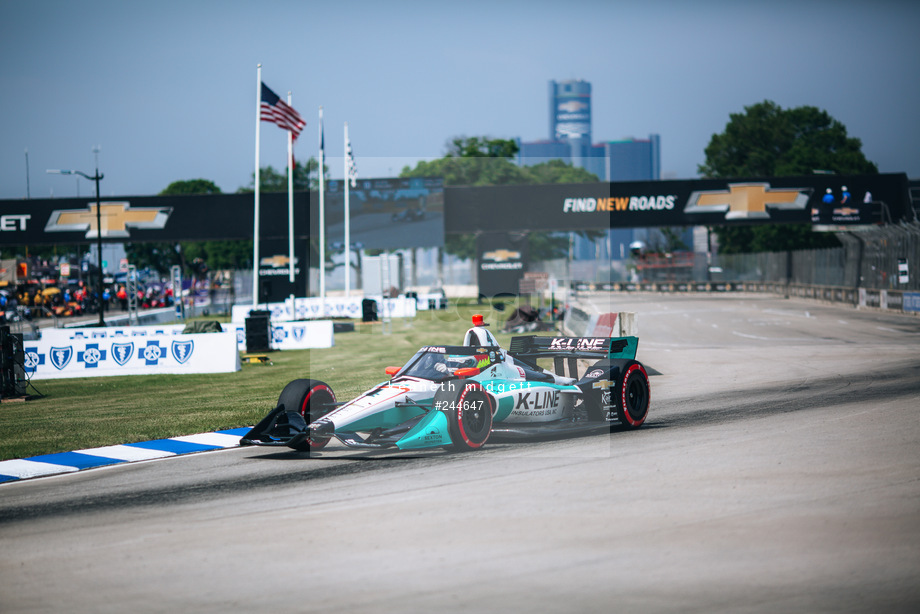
x=80, y=413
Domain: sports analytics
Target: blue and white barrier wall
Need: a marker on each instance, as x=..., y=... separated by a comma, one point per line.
x=55, y=356
x=336, y=307
x=292, y=335
x=284, y=335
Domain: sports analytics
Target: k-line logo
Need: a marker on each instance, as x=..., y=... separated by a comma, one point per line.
x=619, y=203
x=537, y=400
x=580, y=343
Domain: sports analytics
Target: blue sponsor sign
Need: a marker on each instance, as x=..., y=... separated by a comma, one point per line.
x=151, y=353
x=60, y=357
x=182, y=350
x=91, y=356
x=122, y=352
x=33, y=359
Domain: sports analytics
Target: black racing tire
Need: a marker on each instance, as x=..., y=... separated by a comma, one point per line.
x=469, y=409
x=312, y=399
x=628, y=396
x=633, y=395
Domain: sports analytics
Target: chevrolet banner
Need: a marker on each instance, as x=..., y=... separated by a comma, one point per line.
x=821, y=199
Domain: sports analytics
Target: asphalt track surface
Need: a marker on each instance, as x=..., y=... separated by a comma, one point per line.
x=779, y=471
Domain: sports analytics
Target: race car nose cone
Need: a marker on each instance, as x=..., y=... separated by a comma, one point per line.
x=322, y=428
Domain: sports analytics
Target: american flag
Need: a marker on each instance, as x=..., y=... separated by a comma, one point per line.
x=352, y=167
x=275, y=110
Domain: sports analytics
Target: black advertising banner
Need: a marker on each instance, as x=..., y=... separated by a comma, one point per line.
x=404, y=213
x=150, y=218
x=502, y=258
x=385, y=214
x=703, y=202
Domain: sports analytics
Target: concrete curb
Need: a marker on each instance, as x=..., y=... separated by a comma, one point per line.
x=69, y=462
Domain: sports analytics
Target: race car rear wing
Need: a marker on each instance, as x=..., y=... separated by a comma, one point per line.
x=566, y=351
x=534, y=346
x=570, y=349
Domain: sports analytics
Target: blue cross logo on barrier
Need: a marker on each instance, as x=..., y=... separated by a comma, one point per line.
x=33, y=360
x=91, y=355
x=151, y=354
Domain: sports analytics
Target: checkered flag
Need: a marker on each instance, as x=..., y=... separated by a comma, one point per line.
x=352, y=167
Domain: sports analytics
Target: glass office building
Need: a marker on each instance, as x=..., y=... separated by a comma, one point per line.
x=570, y=140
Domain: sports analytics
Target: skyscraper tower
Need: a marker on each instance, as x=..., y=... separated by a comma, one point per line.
x=570, y=116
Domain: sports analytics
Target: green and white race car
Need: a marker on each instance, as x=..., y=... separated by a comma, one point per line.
x=460, y=396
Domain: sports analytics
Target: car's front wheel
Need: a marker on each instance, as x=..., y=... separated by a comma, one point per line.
x=312, y=399
x=469, y=411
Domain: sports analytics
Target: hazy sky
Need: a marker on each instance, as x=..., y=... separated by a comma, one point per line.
x=168, y=88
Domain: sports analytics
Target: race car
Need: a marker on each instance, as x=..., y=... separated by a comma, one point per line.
x=460, y=396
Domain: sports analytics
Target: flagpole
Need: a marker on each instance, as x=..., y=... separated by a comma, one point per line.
x=347, y=229
x=322, y=220
x=255, y=223
x=290, y=144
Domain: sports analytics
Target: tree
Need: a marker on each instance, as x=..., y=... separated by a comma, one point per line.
x=480, y=161
x=306, y=177
x=197, y=257
x=557, y=171
x=481, y=147
x=769, y=141
x=191, y=186
x=475, y=171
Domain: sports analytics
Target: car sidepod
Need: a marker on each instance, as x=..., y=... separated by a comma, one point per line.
x=528, y=402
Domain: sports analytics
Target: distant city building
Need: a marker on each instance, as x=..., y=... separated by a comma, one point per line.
x=624, y=160
x=570, y=110
x=570, y=140
x=629, y=159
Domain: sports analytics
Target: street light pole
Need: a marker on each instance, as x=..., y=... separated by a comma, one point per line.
x=97, y=177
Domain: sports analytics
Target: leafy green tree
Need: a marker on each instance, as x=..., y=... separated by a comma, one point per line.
x=475, y=171
x=769, y=141
x=191, y=186
x=195, y=257
x=481, y=161
x=481, y=147
x=557, y=171
x=306, y=177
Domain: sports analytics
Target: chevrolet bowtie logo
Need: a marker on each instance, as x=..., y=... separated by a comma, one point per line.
x=116, y=218
x=748, y=201
x=500, y=255
x=846, y=211
x=275, y=261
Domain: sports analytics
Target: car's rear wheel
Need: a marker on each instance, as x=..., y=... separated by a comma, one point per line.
x=312, y=399
x=469, y=411
x=633, y=395
x=625, y=399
